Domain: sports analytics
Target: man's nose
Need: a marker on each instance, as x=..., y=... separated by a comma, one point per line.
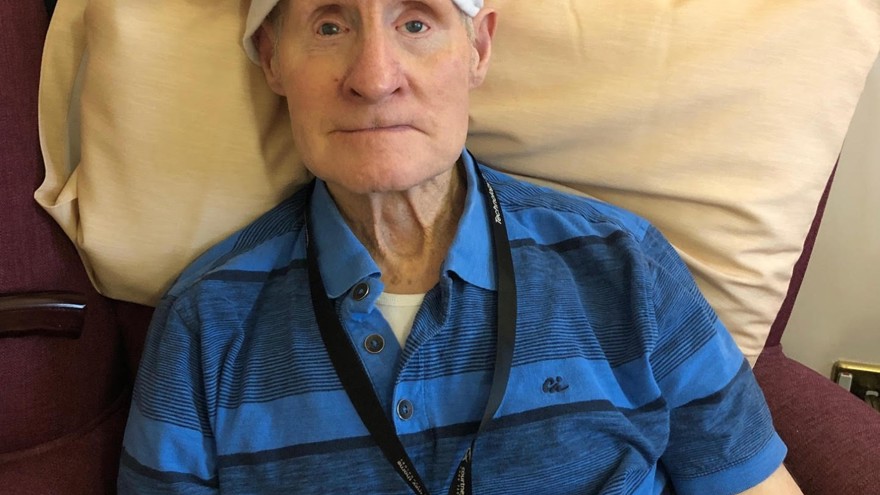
x=375, y=72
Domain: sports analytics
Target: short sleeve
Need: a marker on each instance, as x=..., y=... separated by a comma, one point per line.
x=168, y=446
x=721, y=438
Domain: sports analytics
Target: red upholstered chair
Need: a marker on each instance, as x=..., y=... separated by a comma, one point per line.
x=833, y=437
x=64, y=379
x=67, y=354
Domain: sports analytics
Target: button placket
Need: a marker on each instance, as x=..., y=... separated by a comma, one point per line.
x=366, y=328
x=419, y=417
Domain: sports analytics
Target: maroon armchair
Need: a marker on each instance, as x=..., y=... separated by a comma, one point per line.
x=64, y=377
x=67, y=354
x=833, y=438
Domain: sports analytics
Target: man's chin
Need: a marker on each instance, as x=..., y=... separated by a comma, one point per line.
x=382, y=172
x=385, y=183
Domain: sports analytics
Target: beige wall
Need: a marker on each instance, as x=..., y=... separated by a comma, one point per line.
x=837, y=314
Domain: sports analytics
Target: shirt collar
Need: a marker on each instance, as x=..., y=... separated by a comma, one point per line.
x=343, y=261
x=471, y=256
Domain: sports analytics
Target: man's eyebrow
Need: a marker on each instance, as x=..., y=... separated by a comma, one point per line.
x=422, y=5
x=310, y=9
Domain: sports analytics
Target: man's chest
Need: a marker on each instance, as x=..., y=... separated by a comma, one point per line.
x=566, y=424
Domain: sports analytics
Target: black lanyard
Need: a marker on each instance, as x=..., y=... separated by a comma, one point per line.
x=357, y=383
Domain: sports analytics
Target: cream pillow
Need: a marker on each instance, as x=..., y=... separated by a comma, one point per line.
x=718, y=121
x=159, y=136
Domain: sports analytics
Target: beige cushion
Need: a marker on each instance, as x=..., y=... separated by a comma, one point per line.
x=718, y=121
x=159, y=136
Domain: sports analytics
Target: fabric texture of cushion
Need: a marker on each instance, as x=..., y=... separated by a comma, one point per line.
x=833, y=437
x=718, y=121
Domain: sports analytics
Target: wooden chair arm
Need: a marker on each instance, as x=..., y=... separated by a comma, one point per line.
x=53, y=314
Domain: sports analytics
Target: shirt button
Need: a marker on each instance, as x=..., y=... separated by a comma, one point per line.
x=404, y=409
x=374, y=343
x=360, y=291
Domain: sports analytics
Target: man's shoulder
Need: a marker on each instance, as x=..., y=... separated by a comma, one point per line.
x=535, y=206
x=266, y=244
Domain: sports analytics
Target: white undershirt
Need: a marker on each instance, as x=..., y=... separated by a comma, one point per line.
x=400, y=311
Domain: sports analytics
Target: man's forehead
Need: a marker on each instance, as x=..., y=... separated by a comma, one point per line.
x=260, y=9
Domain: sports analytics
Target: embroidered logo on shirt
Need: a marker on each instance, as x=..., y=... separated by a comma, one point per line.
x=553, y=385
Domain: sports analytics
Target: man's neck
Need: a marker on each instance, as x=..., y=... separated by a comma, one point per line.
x=407, y=233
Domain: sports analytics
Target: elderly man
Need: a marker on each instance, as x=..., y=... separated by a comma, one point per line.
x=413, y=322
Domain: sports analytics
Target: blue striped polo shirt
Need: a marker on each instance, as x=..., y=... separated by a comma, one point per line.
x=624, y=381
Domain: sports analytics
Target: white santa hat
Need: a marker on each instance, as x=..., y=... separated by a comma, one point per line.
x=261, y=8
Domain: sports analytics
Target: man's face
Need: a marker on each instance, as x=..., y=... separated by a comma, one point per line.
x=378, y=90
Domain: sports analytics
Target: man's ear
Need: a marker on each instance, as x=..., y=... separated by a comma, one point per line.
x=264, y=39
x=484, y=31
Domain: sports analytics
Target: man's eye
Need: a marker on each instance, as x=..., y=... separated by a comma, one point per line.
x=329, y=29
x=415, y=27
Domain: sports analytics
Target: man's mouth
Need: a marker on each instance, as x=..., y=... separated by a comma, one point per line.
x=377, y=129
